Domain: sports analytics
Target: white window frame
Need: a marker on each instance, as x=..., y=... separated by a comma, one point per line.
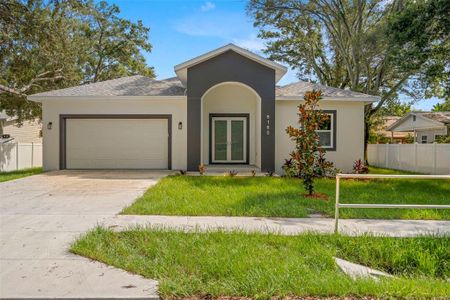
x=426, y=139
x=331, y=131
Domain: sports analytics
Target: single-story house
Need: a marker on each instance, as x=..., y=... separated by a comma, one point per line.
x=393, y=137
x=223, y=107
x=425, y=126
x=10, y=131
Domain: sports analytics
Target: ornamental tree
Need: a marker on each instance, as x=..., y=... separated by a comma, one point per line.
x=308, y=159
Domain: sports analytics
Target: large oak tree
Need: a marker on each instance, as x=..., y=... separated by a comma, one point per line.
x=48, y=44
x=378, y=47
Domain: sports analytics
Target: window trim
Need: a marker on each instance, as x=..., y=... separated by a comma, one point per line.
x=333, y=129
x=426, y=139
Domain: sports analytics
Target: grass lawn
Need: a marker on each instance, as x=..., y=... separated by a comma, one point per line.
x=5, y=176
x=283, y=197
x=267, y=265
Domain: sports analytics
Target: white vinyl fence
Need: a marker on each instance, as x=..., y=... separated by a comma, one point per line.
x=17, y=156
x=421, y=158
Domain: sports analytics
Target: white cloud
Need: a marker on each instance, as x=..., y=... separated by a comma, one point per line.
x=252, y=43
x=207, y=6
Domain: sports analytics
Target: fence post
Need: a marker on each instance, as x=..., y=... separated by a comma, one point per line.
x=415, y=157
x=434, y=157
x=32, y=154
x=336, y=208
x=17, y=156
x=386, y=156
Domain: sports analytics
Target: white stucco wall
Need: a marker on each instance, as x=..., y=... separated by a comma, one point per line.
x=349, y=133
x=53, y=108
x=232, y=98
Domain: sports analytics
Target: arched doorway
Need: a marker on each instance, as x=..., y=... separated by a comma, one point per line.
x=231, y=125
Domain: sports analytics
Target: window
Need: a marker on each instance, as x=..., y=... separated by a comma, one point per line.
x=327, y=132
x=424, y=139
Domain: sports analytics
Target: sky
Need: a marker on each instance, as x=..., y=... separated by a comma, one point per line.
x=183, y=29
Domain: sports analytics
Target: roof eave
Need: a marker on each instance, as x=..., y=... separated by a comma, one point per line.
x=400, y=121
x=103, y=98
x=350, y=99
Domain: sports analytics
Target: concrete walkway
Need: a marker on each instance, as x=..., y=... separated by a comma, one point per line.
x=40, y=216
x=287, y=226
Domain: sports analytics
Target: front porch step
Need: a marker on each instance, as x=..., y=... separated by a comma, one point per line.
x=242, y=170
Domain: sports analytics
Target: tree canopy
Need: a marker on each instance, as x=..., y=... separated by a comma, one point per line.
x=382, y=48
x=49, y=44
x=444, y=106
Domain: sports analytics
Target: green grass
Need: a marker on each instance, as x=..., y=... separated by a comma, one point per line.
x=5, y=176
x=267, y=265
x=283, y=197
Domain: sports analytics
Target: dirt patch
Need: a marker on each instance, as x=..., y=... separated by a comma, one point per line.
x=319, y=196
x=275, y=298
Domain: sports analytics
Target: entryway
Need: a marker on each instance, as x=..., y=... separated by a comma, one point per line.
x=229, y=139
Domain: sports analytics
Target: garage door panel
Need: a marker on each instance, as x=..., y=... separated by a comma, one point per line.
x=117, y=144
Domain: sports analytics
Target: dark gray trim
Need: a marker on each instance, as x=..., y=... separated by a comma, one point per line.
x=334, y=113
x=62, y=130
x=247, y=159
x=230, y=67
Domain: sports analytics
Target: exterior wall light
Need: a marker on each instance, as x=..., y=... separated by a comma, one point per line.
x=49, y=125
x=180, y=125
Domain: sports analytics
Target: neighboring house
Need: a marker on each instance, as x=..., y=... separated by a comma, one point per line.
x=393, y=137
x=425, y=126
x=10, y=131
x=222, y=108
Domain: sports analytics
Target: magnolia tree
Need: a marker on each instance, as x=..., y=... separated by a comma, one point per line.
x=308, y=159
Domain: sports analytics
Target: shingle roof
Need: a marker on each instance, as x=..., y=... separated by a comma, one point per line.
x=443, y=117
x=298, y=89
x=126, y=86
x=143, y=86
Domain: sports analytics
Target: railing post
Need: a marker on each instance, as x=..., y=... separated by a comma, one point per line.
x=336, y=209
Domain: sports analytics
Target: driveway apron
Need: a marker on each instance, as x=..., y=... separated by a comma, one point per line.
x=41, y=215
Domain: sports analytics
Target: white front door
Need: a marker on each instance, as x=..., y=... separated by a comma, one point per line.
x=229, y=139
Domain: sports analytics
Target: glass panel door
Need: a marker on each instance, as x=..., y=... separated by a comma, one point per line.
x=229, y=139
x=237, y=140
x=220, y=140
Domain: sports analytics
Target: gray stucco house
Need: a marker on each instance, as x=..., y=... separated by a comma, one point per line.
x=223, y=108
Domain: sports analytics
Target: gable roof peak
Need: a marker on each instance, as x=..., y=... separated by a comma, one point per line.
x=181, y=69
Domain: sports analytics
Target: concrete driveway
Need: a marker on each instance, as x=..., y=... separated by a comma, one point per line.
x=39, y=218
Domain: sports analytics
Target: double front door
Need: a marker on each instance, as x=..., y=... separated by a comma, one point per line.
x=229, y=139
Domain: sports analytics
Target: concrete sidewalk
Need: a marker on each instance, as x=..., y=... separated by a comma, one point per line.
x=287, y=226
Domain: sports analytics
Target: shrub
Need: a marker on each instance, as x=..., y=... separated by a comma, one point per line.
x=232, y=173
x=201, y=169
x=359, y=167
x=308, y=159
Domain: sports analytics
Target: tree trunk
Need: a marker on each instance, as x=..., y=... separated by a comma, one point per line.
x=366, y=140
